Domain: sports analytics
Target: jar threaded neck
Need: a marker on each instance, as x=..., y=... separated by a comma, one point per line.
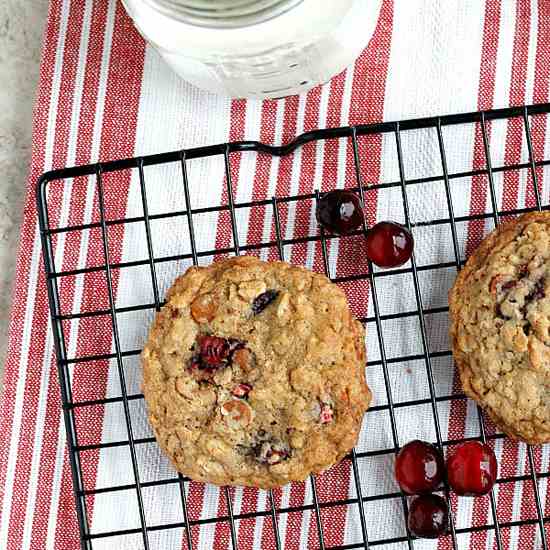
x=224, y=13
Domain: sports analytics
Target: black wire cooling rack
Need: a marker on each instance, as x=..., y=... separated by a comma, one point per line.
x=532, y=167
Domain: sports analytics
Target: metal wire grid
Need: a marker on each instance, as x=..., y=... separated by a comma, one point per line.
x=395, y=129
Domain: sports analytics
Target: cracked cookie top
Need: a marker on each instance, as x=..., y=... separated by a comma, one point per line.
x=254, y=373
x=500, y=327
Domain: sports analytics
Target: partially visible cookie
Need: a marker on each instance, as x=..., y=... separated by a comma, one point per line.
x=254, y=373
x=500, y=327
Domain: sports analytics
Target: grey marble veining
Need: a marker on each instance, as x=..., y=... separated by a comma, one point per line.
x=21, y=26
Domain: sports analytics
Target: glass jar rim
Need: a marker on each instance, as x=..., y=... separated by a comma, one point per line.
x=223, y=13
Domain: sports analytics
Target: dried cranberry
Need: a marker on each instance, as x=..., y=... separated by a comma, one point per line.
x=241, y=390
x=270, y=451
x=471, y=468
x=274, y=456
x=327, y=414
x=213, y=350
x=389, y=244
x=419, y=467
x=428, y=516
x=537, y=293
x=263, y=300
x=340, y=212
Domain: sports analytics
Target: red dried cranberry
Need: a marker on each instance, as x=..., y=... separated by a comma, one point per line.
x=340, y=212
x=428, y=516
x=195, y=362
x=419, y=467
x=389, y=244
x=241, y=390
x=327, y=414
x=213, y=350
x=471, y=468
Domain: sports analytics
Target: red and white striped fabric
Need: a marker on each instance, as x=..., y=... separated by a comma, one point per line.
x=104, y=94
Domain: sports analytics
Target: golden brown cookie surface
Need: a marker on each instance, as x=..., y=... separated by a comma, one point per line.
x=500, y=327
x=254, y=373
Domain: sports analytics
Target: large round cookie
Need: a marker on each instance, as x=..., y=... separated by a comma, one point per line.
x=500, y=327
x=254, y=373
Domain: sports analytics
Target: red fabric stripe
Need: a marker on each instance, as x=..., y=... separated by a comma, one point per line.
x=491, y=29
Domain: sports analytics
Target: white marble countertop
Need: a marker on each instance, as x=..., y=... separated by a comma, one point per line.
x=21, y=27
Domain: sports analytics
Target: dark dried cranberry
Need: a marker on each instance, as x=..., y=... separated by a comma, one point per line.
x=509, y=285
x=537, y=293
x=263, y=300
x=389, y=244
x=213, y=350
x=270, y=451
x=340, y=212
x=523, y=271
x=428, y=516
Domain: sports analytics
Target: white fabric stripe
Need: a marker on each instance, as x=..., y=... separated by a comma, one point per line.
x=307, y=517
x=295, y=177
x=545, y=176
x=431, y=69
x=318, y=174
x=524, y=176
x=31, y=289
x=45, y=377
x=259, y=523
x=502, y=93
x=273, y=178
x=465, y=506
x=543, y=489
x=505, y=53
x=498, y=448
x=518, y=490
x=282, y=519
x=342, y=158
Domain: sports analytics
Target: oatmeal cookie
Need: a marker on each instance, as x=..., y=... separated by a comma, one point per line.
x=254, y=373
x=500, y=327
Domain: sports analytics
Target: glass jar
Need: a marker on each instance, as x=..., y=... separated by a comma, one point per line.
x=256, y=48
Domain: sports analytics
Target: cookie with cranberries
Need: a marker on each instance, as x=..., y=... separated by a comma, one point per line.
x=254, y=373
x=500, y=327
